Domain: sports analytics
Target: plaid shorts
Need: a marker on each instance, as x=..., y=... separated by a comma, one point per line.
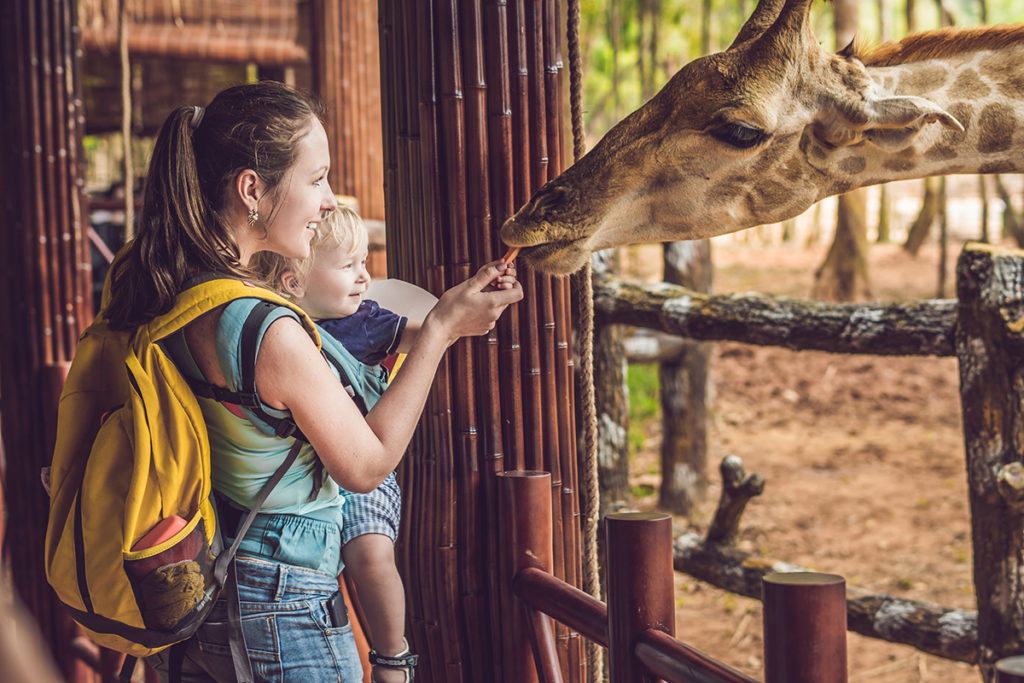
x=376, y=512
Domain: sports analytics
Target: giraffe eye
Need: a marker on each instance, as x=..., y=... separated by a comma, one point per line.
x=738, y=135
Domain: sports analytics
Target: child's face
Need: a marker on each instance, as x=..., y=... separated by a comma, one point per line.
x=336, y=283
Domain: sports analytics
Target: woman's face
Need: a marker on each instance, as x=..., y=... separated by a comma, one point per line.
x=302, y=198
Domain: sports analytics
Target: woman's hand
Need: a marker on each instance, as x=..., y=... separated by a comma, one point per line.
x=472, y=307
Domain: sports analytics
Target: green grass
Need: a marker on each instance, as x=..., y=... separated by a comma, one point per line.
x=644, y=401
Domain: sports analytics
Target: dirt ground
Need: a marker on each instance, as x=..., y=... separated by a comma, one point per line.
x=863, y=458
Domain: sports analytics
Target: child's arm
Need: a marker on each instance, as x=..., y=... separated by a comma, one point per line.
x=506, y=280
x=409, y=334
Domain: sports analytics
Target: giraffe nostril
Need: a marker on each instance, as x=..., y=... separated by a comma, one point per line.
x=548, y=199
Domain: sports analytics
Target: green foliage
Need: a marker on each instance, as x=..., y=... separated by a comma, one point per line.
x=644, y=401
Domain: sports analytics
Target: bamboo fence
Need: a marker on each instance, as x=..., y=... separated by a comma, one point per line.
x=472, y=126
x=45, y=271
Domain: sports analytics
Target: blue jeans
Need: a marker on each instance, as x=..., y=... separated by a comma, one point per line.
x=288, y=630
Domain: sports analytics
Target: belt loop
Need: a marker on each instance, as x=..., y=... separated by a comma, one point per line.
x=282, y=582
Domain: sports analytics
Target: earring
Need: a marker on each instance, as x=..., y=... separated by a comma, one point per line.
x=253, y=216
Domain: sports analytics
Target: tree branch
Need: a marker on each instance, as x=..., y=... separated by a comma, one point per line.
x=913, y=328
x=944, y=632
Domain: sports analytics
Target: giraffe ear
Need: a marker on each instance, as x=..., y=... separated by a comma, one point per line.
x=893, y=122
x=888, y=122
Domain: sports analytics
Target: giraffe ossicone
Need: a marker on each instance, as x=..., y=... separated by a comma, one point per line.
x=758, y=133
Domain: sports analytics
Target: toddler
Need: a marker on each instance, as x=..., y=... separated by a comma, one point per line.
x=329, y=286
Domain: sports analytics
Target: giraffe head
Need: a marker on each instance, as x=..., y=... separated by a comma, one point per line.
x=752, y=135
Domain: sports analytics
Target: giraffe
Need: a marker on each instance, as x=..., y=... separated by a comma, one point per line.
x=760, y=132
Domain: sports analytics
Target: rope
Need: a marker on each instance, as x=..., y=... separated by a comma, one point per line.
x=585, y=292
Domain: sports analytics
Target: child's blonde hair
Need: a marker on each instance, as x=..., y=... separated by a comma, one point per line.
x=340, y=227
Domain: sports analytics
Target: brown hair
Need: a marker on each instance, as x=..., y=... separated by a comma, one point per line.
x=343, y=226
x=182, y=231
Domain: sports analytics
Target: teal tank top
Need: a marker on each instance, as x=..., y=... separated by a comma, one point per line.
x=244, y=449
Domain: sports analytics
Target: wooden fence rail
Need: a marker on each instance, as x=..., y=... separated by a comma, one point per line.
x=804, y=612
x=984, y=329
x=913, y=328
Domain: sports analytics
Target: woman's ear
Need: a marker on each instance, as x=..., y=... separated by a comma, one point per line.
x=290, y=283
x=249, y=187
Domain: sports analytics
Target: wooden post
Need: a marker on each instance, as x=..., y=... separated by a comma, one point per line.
x=989, y=343
x=525, y=532
x=640, y=590
x=1010, y=670
x=804, y=628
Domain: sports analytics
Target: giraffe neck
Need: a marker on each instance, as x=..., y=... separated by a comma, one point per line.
x=983, y=89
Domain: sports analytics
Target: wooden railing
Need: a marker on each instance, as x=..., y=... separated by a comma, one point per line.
x=805, y=613
x=984, y=329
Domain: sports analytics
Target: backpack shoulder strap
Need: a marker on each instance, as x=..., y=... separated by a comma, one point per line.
x=249, y=347
x=208, y=295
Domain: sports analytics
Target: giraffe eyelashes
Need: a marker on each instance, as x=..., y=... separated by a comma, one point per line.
x=738, y=135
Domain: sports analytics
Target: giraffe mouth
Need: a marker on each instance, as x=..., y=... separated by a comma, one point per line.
x=557, y=258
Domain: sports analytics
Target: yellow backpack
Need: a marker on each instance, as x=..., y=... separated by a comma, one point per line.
x=132, y=539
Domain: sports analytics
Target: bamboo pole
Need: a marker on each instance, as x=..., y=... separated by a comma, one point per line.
x=44, y=275
x=467, y=140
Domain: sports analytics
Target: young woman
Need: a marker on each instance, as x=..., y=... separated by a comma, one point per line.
x=248, y=174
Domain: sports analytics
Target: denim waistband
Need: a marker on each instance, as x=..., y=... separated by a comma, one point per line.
x=280, y=580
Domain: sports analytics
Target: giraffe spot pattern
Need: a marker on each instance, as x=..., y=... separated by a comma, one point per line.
x=969, y=84
x=940, y=152
x=842, y=186
x=726, y=192
x=772, y=152
x=950, y=139
x=996, y=125
x=964, y=113
x=923, y=80
x=1012, y=86
x=769, y=193
x=898, y=164
x=998, y=167
x=998, y=67
x=853, y=165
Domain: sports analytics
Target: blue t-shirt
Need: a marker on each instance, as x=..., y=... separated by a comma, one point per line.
x=371, y=334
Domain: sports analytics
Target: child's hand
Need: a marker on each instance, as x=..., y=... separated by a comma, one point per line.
x=472, y=307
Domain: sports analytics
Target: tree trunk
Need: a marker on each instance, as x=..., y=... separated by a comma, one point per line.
x=989, y=344
x=614, y=38
x=983, y=193
x=923, y=223
x=1011, y=222
x=612, y=403
x=705, y=27
x=943, y=239
x=684, y=392
x=884, y=229
x=844, y=274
